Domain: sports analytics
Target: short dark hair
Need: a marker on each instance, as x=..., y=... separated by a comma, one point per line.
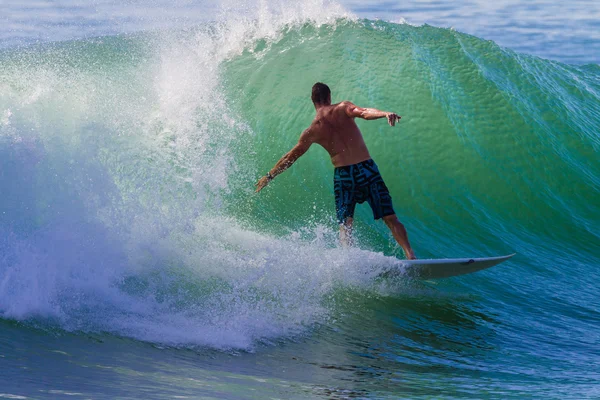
x=320, y=93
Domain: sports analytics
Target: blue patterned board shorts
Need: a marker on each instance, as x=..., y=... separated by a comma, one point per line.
x=358, y=183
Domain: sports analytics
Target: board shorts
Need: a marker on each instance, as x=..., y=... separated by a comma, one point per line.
x=358, y=183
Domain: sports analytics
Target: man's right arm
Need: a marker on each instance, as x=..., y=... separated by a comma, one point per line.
x=354, y=111
x=307, y=138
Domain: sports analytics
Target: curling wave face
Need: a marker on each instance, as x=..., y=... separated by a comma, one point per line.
x=128, y=162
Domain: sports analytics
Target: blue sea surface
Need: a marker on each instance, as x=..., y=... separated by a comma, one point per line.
x=557, y=30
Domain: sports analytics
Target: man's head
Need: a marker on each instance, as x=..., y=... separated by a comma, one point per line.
x=321, y=95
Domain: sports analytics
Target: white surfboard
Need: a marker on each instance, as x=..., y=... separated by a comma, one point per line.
x=445, y=268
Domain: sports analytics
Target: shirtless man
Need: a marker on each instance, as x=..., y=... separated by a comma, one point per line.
x=356, y=177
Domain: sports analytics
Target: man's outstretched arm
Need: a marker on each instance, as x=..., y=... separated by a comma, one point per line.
x=287, y=160
x=354, y=111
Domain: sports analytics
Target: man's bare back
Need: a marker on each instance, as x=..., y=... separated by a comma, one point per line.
x=335, y=130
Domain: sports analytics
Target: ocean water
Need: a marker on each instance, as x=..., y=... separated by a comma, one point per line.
x=136, y=261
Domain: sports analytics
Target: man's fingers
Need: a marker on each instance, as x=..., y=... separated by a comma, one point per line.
x=393, y=118
x=260, y=184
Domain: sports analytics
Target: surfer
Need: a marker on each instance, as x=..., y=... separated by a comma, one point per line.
x=356, y=176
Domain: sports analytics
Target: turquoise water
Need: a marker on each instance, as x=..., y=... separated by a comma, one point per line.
x=136, y=261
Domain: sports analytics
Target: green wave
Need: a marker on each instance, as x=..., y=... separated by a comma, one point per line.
x=127, y=169
x=496, y=151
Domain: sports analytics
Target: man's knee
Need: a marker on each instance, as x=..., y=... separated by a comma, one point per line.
x=391, y=220
x=347, y=223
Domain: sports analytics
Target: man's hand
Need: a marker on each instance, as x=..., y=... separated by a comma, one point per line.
x=393, y=118
x=262, y=182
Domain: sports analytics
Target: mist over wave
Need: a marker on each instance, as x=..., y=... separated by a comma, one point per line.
x=128, y=163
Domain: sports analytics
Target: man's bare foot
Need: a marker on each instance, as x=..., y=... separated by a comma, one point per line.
x=411, y=256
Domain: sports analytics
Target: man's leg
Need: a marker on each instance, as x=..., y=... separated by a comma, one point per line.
x=346, y=232
x=400, y=235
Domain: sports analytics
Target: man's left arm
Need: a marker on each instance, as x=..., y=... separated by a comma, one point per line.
x=305, y=141
x=354, y=111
